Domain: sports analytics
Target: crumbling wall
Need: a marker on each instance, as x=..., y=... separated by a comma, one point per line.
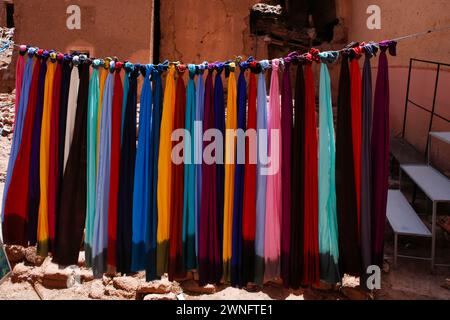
x=196, y=30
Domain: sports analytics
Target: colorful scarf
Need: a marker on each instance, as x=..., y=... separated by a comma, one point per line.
x=142, y=169
x=72, y=213
x=272, y=236
x=126, y=174
x=43, y=231
x=176, y=264
x=261, y=125
x=164, y=174
x=249, y=197
x=100, y=234
x=116, y=123
x=152, y=219
x=229, y=160
x=188, y=229
x=92, y=126
x=380, y=152
x=328, y=230
x=238, y=197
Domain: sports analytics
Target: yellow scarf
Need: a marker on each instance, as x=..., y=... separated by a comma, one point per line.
x=164, y=174
x=43, y=227
x=230, y=155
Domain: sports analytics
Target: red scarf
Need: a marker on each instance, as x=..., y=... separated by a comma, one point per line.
x=116, y=124
x=311, y=185
x=176, y=264
x=16, y=209
x=356, y=104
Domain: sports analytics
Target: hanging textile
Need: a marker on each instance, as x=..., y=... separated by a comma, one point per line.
x=310, y=219
x=356, y=100
x=380, y=152
x=92, y=123
x=272, y=236
x=219, y=124
x=238, y=197
x=209, y=258
x=366, y=172
x=176, y=264
x=126, y=175
x=297, y=179
x=152, y=219
x=126, y=88
x=249, y=197
x=328, y=229
x=71, y=108
x=116, y=123
x=198, y=148
x=229, y=160
x=286, y=146
x=15, y=209
x=20, y=70
x=53, y=170
x=188, y=229
x=18, y=123
x=349, y=254
x=73, y=190
x=63, y=105
x=100, y=234
x=164, y=174
x=43, y=236
x=103, y=75
x=34, y=184
x=261, y=128
x=142, y=174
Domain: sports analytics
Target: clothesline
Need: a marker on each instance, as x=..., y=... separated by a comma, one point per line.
x=310, y=206
x=238, y=58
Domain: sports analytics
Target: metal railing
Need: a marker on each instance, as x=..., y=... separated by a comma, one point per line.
x=432, y=111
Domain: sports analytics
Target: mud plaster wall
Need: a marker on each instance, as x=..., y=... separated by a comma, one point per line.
x=402, y=17
x=196, y=30
x=108, y=27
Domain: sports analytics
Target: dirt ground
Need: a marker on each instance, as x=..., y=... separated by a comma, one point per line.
x=412, y=279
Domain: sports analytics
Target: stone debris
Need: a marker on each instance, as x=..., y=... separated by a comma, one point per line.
x=126, y=283
x=162, y=286
x=20, y=273
x=168, y=296
x=97, y=290
x=32, y=257
x=15, y=253
x=84, y=275
x=192, y=286
x=112, y=291
x=58, y=278
x=6, y=113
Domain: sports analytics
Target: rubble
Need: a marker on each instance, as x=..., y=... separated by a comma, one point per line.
x=169, y=296
x=58, y=278
x=6, y=113
x=32, y=257
x=15, y=253
x=20, y=273
x=126, y=283
x=97, y=290
x=193, y=287
x=155, y=287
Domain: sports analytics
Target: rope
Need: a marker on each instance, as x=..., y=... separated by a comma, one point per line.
x=7, y=43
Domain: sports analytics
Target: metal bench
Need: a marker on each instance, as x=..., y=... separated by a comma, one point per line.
x=404, y=221
x=436, y=187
